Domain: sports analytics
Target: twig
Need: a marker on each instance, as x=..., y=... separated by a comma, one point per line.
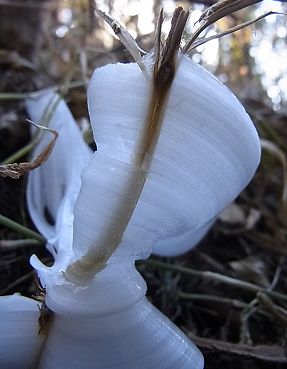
x=16, y=170
x=19, y=153
x=217, y=12
x=231, y=30
x=48, y=113
x=267, y=353
x=9, y=223
x=215, y=277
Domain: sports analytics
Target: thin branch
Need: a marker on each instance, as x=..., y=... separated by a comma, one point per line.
x=48, y=113
x=272, y=353
x=217, y=12
x=231, y=30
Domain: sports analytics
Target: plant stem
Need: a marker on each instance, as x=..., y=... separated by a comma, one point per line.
x=34, y=94
x=19, y=154
x=18, y=244
x=210, y=298
x=215, y=277
x=217, y=299
x=94, y=260
x=9, y=223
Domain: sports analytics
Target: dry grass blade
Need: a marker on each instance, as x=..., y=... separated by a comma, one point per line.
x=126, y=39
x=231, y=30
x=163, y=75
x=12, y=245
x=225, y=7
x=172, y=44
x=93, y=262
x=157, y=39
x=16, y=170
x=217, y=12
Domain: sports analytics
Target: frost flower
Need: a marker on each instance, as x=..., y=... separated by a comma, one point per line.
x=174, y=148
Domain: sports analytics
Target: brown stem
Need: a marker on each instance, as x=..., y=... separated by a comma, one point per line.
x=163, y=74
x=216, y=12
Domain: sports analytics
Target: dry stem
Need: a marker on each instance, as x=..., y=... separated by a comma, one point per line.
x=164, y=70
x=217, y=12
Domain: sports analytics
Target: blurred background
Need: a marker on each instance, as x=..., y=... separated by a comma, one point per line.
x=57, y=45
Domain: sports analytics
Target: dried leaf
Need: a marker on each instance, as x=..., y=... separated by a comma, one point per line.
x=16, y=170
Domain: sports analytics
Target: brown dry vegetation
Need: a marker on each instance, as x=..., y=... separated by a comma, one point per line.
x=228, y=294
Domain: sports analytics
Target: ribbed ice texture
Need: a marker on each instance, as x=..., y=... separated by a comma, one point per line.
x=110, y=324
x=207, y=153
x=108, y=191
x=139, y=337
x=19, y=340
